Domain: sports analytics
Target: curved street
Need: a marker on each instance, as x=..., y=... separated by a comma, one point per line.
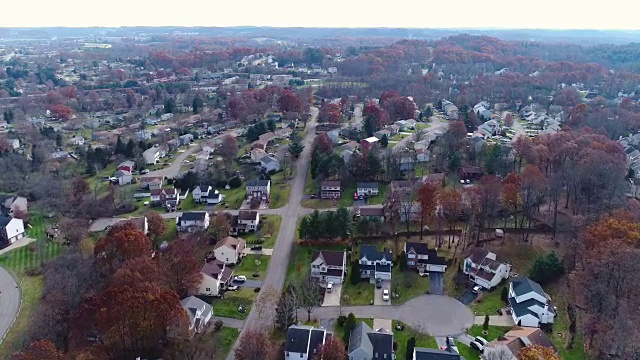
x=9, y=301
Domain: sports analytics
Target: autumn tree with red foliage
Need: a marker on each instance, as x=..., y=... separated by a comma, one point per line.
x=228, y=150
x=288, y=101
x=40, y=350
x=329, y=113
x=182, y=266
x=508, y=120
x=537, y=352
x=61, y=112
x=255, y=345
x=332, y=349
x=428, y=199
x=157, y=225
x=450, y=200
x=123, y=242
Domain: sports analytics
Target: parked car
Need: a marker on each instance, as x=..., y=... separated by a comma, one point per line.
x=240, y=278
x=360, y=197
x=476, y=345
x=378, y=283
x=313, y=196
x=476, y=289
x=355, y=196
x=256, y=247
x=385, y=294
x=481, y=340
x=452, y=344
x=329, y=286
x=145, y=171
x=232, y=288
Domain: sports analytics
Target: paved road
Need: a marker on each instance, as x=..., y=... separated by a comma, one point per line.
x=436, y=124
x=277, y=271
x=436, y=283
x=9, y=301
x=517, y=126
x=431, y=314
x=173, y=170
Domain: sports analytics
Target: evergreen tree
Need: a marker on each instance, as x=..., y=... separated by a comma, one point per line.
x=271, y=125
x=295, y=146
x=384, y=141
x=169, y=106
x=58, y=140
x=197, y=104
x=129, y=149
x=120, y=149
x=546, y=268
x=411, y=344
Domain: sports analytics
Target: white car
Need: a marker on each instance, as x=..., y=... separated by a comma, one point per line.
x=476, y=289
x=329, y=287
x=476, y=345
x=385, y=294
x=481, y=340
x=240, y=278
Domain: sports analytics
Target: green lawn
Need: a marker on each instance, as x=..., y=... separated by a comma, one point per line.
x=279, y=195
x=489, y=302
x=359, y=294
x=18, y=262
x=401, y=337
x=318, y=203
x=269, y=229
x=300, y=260
x=37, y=227
x=494, y=331
x=377, y=200
x=467, y=352
x=310, y=185
x=189, y=205
x=172, y=231
x=223, y=341
x=397, y=137
x=561, y=325
x=248, y=266
x=408, y=284
x=347, y=196
x=228, y=307
x=233, y=198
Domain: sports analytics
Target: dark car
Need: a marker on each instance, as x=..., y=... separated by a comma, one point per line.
x=378, y=283
x=256, y=247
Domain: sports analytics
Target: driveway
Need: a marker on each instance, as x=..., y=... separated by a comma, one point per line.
x=436, y=283
x=468, y=296
x=249, y=283
x=429, y=314
x=383, y=324
x=495, y=320
x=248, y=251
x=377, y=294
x=9, y=301
x=333, y=298
x=173, y=170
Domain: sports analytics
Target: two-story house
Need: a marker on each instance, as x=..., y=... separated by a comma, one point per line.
x=198, y=311
x=304, y=342
x=260, y=189
x=191, y=221
x=423, y=259
x=530, y=305
x=483, y=268
x=229, y=250
x=127, y=166
x=329, y=266
x=269, y=164
x=330, y=189
x=368, y=344
x=375, y=264
x=11, y=229
x=246, y=221
x=151, y=155
x=200, y=193
x=151, y=182
x=367, y=189
x=168, y=198
x=216, y=276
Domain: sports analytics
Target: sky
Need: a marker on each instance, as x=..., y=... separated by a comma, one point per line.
x=537, y=14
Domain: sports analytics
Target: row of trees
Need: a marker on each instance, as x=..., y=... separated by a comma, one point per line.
x=326, y=225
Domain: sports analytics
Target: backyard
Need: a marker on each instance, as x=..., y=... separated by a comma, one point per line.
x=361, y=293
x=489, y=301
x=233, y=198
x=408, y=284
x=401, y=337
x=269, y=229
x=253, y=264
x=494, y=332
x=228, y=306
x=279, y=195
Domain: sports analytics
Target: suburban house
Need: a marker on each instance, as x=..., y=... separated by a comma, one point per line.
x=142, y=135
x=381, y=133
x=11, y=229
x=368, y=344
x=229, y=250
x=530, y=305
x=471, y=172
x=216, y=276
x=367, y=188
x=244, y=222
x=165, y=197
x=402, y=186
x=152, y=155
x=483, y=268
x=198, y=311
x=76, y=140
x=185, y=139
x=13, y=204
x=330, y=189
x=420, y=257
x=334, y=136
x=151, y=182
x=200, y=193
x=516, y=339
x=191, y=221
x=124, y=177
x=257, y=154
x=370, y=213
x=260, y=189
x=269, y=164
x=303, y=342
x=368, y=142
x=127, y=166
x=329, y=266
x=450, y=110
x=438, y=178
x=375, y=264
x=420, y=353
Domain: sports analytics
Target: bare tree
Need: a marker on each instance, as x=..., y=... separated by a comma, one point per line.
x=255, y=345
x=498, y=353
x=408, y=206
x=307, y=291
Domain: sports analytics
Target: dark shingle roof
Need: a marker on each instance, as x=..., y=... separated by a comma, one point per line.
x=382, y=344
x=359, y=339
x=297, y=339
x=524, y=285
x=247, y=215
x=193, y=215
x=316, y=340
x=367, y=185
x=4, y=221
x=435, y=354
x=372, y=254
x=522, y=308
x=333, y=258
x=258, y=182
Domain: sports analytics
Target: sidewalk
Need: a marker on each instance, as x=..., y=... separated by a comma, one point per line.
x=495, y=320
x=18, y=244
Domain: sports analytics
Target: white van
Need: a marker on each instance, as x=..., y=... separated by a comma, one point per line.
x=329, y=287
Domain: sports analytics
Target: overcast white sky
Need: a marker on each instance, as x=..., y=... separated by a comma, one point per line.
x=556, y=14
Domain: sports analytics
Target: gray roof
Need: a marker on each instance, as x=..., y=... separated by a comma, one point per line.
x=435, y=354
x=193, y=215
x=522, y=308
x=4, y=221
x=269, y=159
x=359, y=339
x=524, y=285
x=372, y=253
x=315, y=341
x=192, y=304
x=258, y=182
x=297, y=339
x=367, y=185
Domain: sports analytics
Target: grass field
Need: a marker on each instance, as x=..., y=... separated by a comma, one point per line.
x=224, y=340
x=228, y=307
x=269, y=229
x=189, y=205
x=489, y=302
x=467, y=352
x=360, y=294
x=279, y=195
x=37, y=227
x=401, y=337
x=494, y=331
x=233, y=198
x=377, y=200
x=408, y=284
x=248, y=266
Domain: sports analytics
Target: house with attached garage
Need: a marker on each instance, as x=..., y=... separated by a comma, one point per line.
x=11, y=204
x=244, y=222
x=514, y=341
x=127, y=166
x=200, y=193
x=11, y=229
x=151, y=182
x=216, y=276
x=258, y=189
x=185, y=139
x=168, y=198
x=192, y=221
x=483, y=268
x=367, y=188
x=152, y=155
x=303, y=342
x=198, y=311
x=269, y=164
x=229, y=250
x=368, y=344
x=330, y=189
x=375, y=264
x=124, y=177
x=423, y=259
x=530, y=305
x=329, y=266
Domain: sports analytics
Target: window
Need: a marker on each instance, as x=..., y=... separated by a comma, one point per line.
x=300, y=354
x=207, y=289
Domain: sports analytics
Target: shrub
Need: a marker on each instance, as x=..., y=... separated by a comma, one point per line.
x=217, y=325
x=547, y=268
x=341, y=320
x=411, y=343
x=485, y=325
x=235, y=182
x=504, y=294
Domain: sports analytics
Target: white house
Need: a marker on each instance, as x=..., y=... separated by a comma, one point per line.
x=77, y=140
x=216, y=276
x=257, y=155
x=198, y=311
x=245, y=221
x=229, y=250
x=151, y=155
x=483, y=268
x=191, y=221
x=330, y=189
x=269, y=164
x=200, y=193
x=124, y=177
x=329, y=266
x=375, y=264
x=151, y=182
x=420, y=257
x=11, y=229
x=367, y=188
x=303, y=341
x=530, y=305
x=258, y=188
